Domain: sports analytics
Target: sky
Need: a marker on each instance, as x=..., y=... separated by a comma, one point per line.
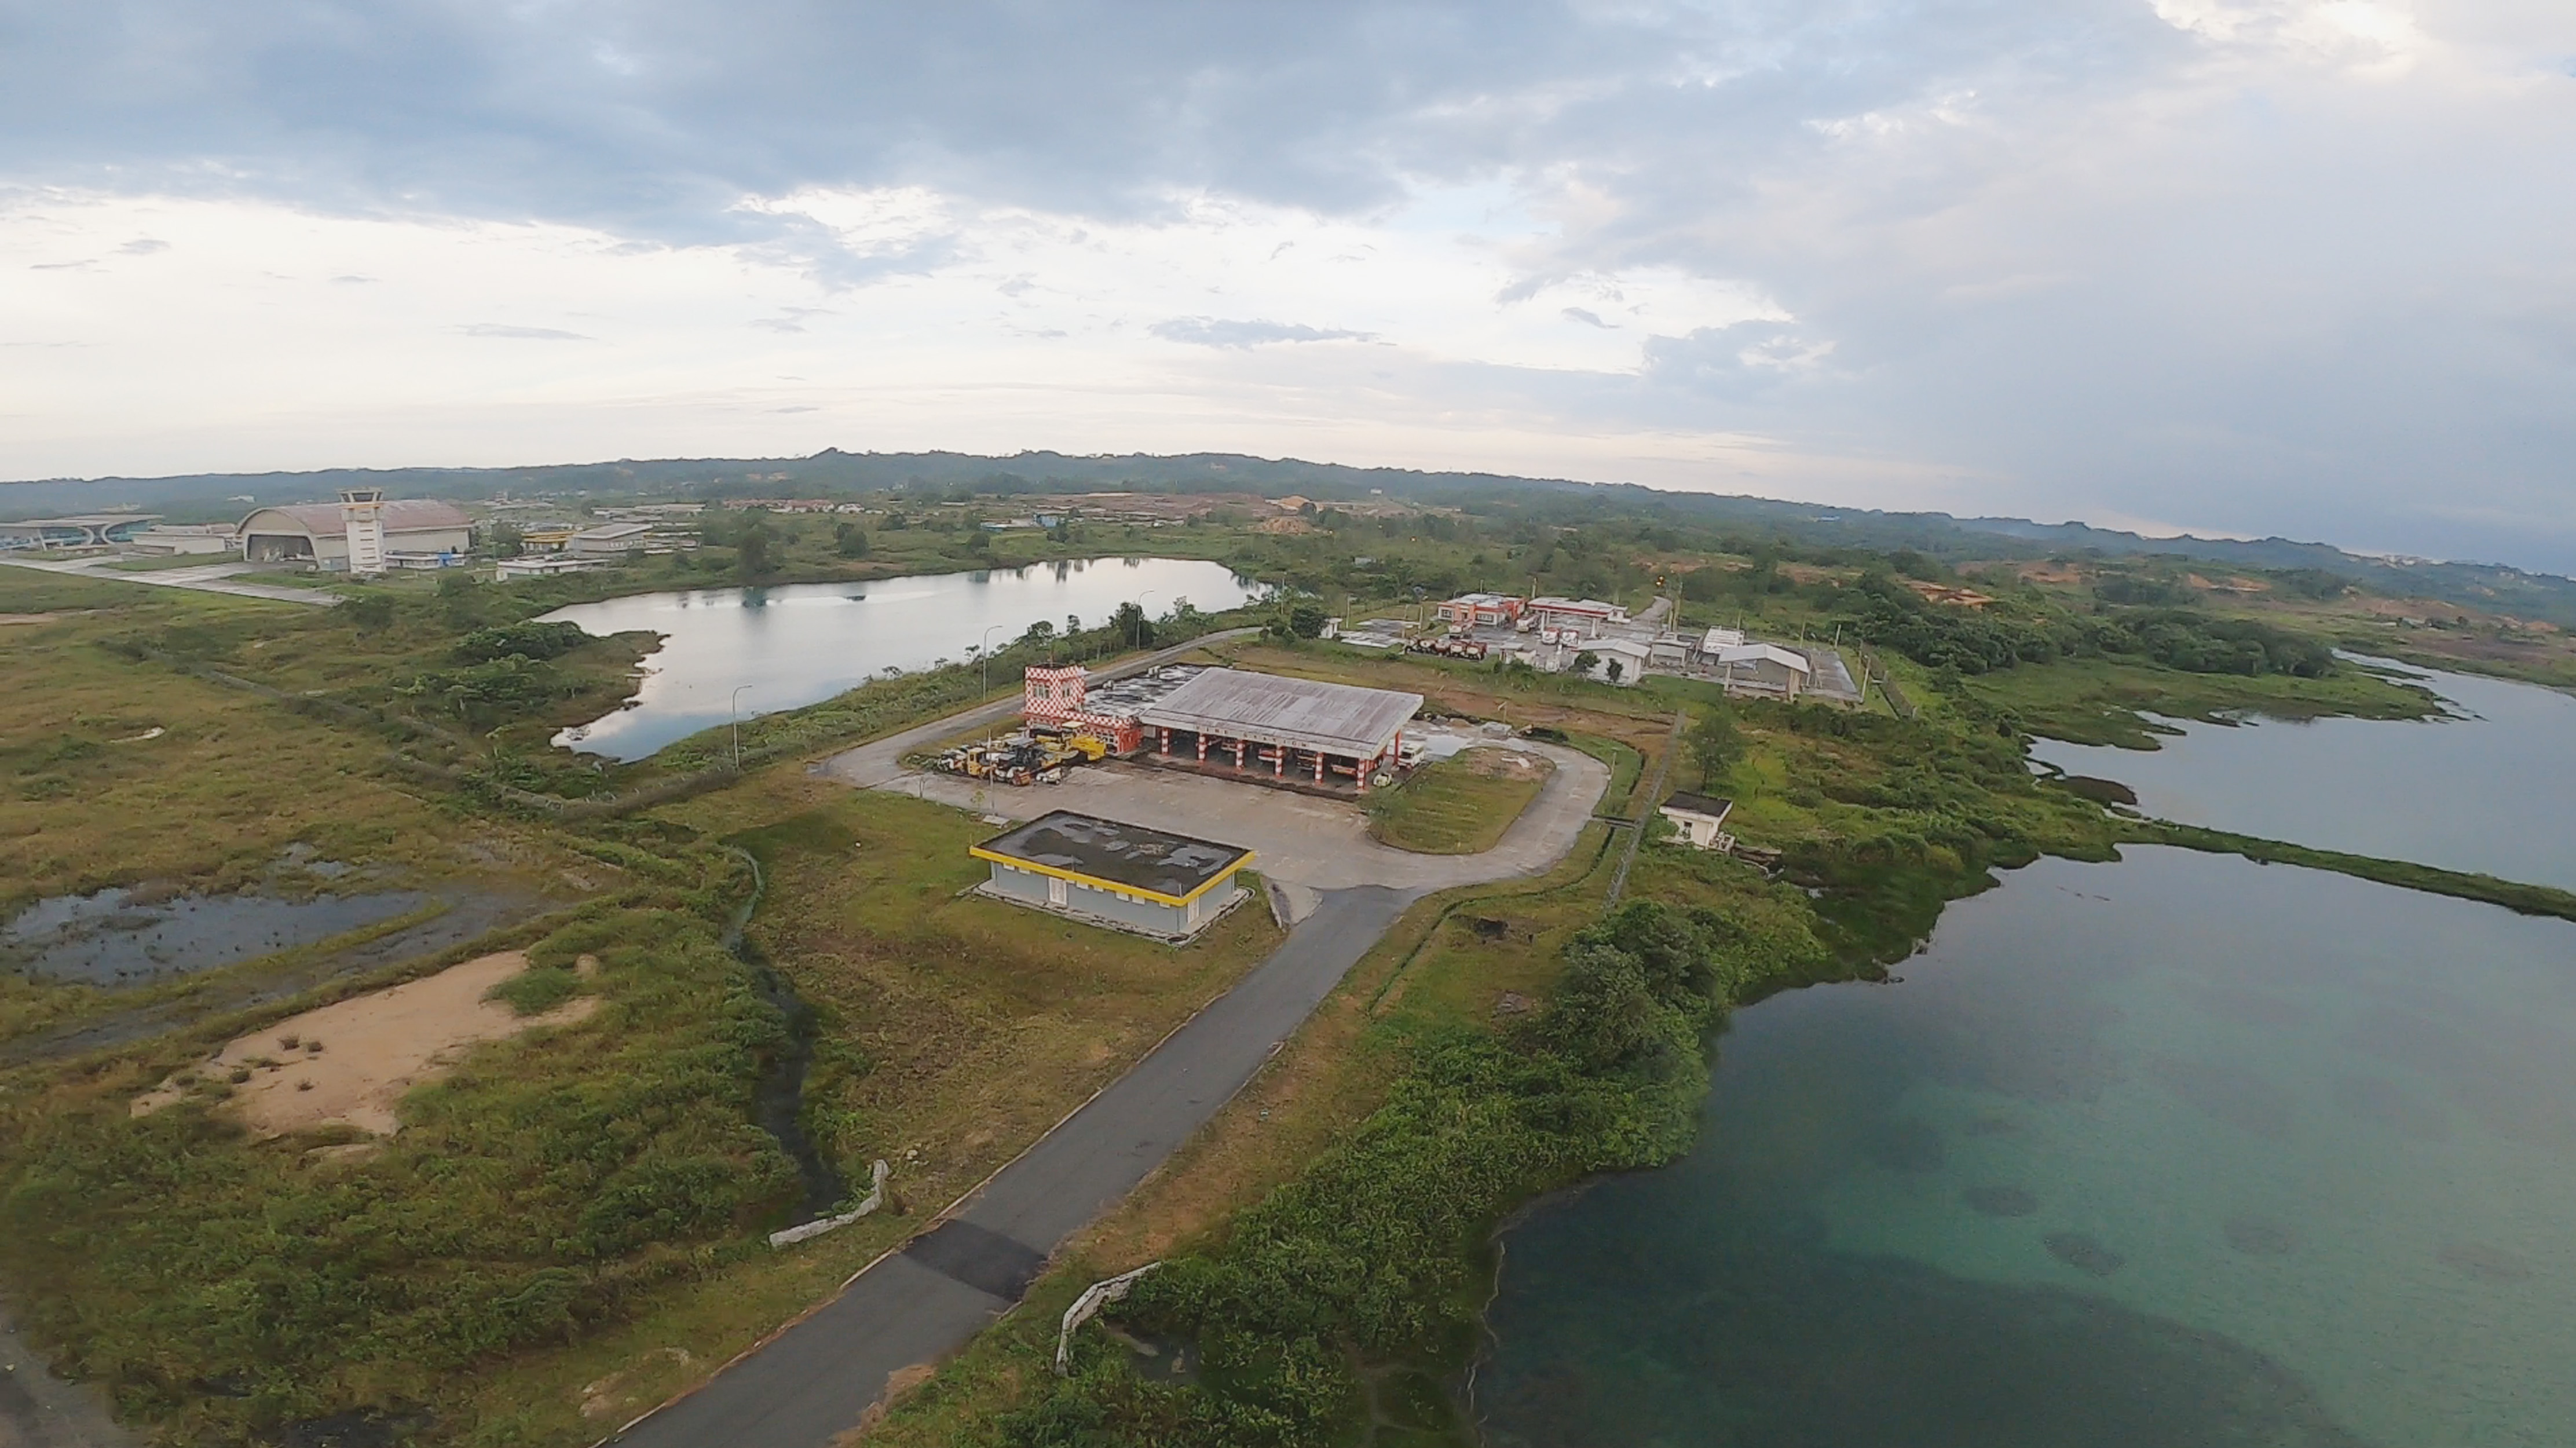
x=2238, y=267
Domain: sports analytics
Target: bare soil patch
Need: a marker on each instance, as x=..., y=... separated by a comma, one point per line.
x=350, y=1063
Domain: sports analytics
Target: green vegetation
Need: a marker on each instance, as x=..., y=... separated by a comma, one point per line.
x=1458, y=806
x=2103, y=701
x=572, y=1205
x=552, y=1185
x=2513, y=895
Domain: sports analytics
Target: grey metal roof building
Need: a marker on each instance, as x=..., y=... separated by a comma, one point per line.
x=1300, y=714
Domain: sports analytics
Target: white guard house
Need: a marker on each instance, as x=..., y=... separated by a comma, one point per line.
x=1701, y=820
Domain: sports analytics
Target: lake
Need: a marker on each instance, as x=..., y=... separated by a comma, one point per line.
x=2178, y=1150
x=800, y=643
x=2489, y=791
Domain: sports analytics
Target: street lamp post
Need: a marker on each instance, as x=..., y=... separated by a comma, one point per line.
x=1140, y=615
x=986, y=649
x=735, y=706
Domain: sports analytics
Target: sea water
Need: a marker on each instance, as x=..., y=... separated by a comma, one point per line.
x=2179, y=1150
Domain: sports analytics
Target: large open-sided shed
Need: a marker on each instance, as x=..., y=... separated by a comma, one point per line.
x=1258, y=720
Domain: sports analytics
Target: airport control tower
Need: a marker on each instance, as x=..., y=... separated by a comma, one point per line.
x=363, y=509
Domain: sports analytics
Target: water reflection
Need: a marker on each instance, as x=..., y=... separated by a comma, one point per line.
x=798, y=643
x=119, y=938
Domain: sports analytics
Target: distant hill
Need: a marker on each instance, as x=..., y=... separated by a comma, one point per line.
x=208, y=496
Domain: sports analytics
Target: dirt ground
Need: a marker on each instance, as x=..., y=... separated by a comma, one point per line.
x=1506, y=764
x=350, y=1063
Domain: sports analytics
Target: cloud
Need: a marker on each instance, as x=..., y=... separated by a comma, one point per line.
x=522, y=334
x=2258, y=265
x=1217, y=332
x=143, y=246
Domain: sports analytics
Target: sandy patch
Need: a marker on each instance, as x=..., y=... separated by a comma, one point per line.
x=349, y=1064
x=1499, y=763
x=10, y=618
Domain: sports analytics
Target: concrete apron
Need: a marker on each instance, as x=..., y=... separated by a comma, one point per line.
x=1297, y=839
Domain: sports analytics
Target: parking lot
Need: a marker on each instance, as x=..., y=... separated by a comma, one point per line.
x=1298, y=840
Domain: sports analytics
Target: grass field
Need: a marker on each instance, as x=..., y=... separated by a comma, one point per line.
x=955, y=1030
x=1460, y=805
x=87, y=801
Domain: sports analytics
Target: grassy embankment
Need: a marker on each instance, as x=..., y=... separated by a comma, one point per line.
x=2099, y=701
x=1460, y=805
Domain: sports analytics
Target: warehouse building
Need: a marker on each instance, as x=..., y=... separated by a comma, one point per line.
x=1284, y=731
x=1112, y=873
x=318, y=533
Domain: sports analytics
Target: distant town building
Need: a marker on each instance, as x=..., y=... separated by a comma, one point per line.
x=609, y=540
x=184, y=539
x=544, y=565
x=1481, y=610
x=1767, y=670
x=1586, y=617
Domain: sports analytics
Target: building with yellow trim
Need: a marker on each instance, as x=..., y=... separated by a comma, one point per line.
x=1113, y=873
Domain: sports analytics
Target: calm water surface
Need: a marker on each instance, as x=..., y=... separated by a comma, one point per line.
x=800, y=643
x=2492, y=791
x=2176, y=1151
x=114, y=939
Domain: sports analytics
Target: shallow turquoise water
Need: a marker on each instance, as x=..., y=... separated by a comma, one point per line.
x=2178, y=1150
x=801, y=643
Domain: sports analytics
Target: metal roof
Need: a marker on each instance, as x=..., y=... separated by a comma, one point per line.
x=1763, y=654
x=1115, y=855
x=1698, y=804
x=1299, y=713
x=323, y=520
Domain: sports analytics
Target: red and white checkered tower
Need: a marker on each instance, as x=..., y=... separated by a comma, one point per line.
x=1054, y=694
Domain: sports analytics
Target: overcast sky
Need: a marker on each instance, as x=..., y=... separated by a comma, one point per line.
x=2236, y=266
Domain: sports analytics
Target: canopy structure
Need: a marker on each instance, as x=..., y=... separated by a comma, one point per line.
x=1329, y=732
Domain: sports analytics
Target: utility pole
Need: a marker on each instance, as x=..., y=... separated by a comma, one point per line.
x=986, y=649
x=736, y=708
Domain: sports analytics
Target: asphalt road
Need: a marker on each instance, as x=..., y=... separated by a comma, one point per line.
x=205, y=578
x=39, y=1410
x=814, y=1380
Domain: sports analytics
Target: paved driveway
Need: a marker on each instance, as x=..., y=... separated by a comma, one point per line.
x=204, y=578
x=1299, y=839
